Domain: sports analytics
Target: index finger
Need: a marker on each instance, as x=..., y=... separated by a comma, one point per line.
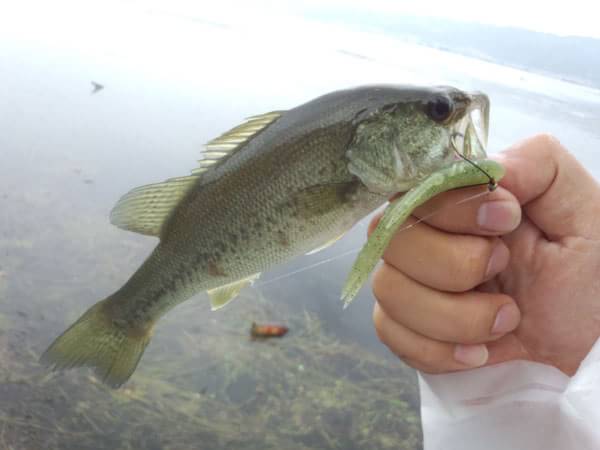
x=472, y=210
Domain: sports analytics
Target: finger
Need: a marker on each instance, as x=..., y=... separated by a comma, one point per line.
x=472, y=210
x=444, y=261
x=558, y=194
x=523, y=243
x=465, y=318
x=524, y=249
x=423, y=353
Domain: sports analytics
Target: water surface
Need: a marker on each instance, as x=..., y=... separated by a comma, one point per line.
x=68, y=155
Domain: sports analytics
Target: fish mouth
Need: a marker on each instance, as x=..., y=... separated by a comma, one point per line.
x=470, y=133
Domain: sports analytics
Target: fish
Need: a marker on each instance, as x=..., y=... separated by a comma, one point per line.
x=277, y=186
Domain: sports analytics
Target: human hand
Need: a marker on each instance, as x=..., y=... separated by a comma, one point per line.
x=477, y=284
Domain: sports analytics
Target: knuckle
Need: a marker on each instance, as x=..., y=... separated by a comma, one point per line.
x=547, y=140
x=470, y=331
x=377, y=283
x=380, y=283
x=469, y=264
x=382, y=324
x=475, y=327
x=549, y=143
x=378, y=319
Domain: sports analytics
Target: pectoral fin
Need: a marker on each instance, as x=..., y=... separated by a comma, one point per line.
x=322, y=199
x=222, y=295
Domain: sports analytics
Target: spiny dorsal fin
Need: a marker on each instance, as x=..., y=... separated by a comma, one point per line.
x=222, y=147
x=220, y=296
x=145, y=208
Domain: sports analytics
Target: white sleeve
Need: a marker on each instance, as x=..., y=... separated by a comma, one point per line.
x=517, y=405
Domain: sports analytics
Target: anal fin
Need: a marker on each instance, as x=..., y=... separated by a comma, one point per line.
x=222, y=295
x=326, y=244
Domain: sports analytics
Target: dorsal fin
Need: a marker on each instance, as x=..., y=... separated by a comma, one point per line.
x=145, y=208
x=222, y=147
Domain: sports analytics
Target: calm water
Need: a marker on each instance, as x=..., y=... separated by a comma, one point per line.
x=67, y=156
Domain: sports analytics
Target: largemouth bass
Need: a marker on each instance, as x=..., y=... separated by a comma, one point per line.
x=277, y=186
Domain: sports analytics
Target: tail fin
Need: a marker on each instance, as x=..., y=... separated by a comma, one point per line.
x=113, y=350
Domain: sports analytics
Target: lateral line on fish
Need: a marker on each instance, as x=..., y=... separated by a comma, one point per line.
x=356, y=250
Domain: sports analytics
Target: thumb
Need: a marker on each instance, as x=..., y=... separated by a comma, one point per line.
x=557, y=194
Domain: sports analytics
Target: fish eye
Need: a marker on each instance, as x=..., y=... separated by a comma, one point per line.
x=440, y=108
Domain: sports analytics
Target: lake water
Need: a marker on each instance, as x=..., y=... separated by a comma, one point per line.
x=171, y=83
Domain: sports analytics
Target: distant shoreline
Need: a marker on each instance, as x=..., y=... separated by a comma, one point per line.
x=556, y=76
x=571, y=59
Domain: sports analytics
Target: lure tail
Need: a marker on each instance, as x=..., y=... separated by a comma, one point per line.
x=111, y=348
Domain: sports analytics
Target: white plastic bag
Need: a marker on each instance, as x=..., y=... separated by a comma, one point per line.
x=517, y=405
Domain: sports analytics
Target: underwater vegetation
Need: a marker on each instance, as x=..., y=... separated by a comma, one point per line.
x=205, y=383
x=214, y=388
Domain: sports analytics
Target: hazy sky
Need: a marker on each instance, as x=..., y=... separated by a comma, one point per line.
x=572, y=17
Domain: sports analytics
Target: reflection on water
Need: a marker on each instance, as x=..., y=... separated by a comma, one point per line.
x=68, y=155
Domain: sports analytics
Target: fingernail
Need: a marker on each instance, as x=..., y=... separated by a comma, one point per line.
x=471, y=355
x=498, y=260
x=499, y=216
x=507, y=319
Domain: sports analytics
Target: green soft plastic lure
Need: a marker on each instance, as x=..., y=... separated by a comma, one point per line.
x=457, y=175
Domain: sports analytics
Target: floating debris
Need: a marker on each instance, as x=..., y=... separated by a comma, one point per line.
x=96, y=87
